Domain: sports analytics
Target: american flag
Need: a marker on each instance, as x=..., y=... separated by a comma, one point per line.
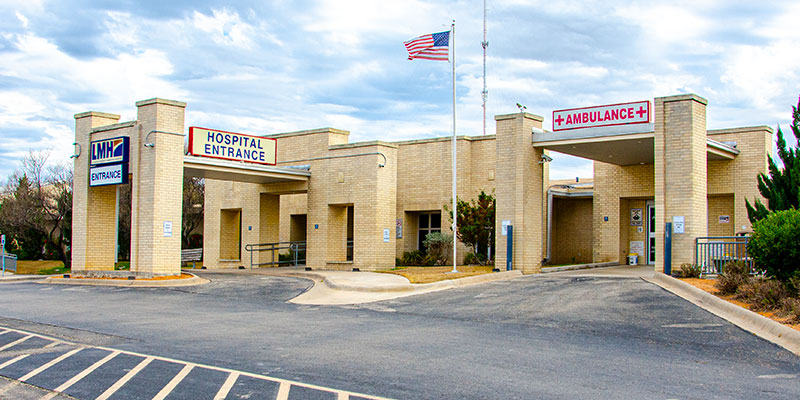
x=433, y=46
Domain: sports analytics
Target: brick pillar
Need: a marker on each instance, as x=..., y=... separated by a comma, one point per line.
x=520, y=193
x=157, y=187
x=680, y=174
x=268, y=226
x=93, y=223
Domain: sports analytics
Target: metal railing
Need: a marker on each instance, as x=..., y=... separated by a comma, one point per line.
x=11, y=262
x=297, y=250
x=713, y=252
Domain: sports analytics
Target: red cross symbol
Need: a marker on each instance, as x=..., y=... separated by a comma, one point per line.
x=641, y=111
x=560, y=119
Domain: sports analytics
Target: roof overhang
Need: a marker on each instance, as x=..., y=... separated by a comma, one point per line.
x=619, y=145
x=240, y=171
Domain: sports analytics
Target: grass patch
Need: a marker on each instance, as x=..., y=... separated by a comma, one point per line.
x=40, y=267
x=435, y=274
x=122, y=266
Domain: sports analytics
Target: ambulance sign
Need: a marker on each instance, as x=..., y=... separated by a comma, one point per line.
x=109, y=151
x=608, y=115
x=232, y=146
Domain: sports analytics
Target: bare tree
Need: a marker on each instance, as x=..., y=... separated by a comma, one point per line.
x=36, y=209
x=194, y=190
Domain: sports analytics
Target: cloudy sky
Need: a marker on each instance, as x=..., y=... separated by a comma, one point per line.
x=262, y=66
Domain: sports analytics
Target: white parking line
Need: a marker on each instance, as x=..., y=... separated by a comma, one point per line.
x=226, y=387
x=16, y=342
x=13, y=360
x=55, y=361
x=113, y=389
x=4, y=332
x=66, y=385
x=233, y=376
x=283, y=391
x=174, y=382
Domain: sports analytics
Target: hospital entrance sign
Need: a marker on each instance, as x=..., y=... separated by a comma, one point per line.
x=607, y=115
x=232, y=146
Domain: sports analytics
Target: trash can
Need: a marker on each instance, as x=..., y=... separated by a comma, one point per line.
x=633, y=259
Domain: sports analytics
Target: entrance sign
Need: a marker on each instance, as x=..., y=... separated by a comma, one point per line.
x=109, y=151
x=608, y=115
x=232, y=146
x=108, y=175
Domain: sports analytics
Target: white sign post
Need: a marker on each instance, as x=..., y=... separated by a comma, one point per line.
x=3, y=245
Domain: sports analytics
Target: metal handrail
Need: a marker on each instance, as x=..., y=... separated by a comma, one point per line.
x=713, y=252
x=273, y=248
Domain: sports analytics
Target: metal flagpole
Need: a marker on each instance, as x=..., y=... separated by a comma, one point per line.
x=453, y=61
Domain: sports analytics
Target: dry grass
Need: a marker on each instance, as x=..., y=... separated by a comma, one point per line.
x=709, y=285
x=31, y=267
x=435, y=274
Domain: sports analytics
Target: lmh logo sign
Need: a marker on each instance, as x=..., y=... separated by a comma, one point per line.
x=109, y=151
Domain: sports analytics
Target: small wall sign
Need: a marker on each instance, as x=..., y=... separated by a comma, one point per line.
x=167, y=228
x=399, y=229
x=636, y=217
x=386, y=235
x=504, y=230
x=724, y=219
x=678, y=224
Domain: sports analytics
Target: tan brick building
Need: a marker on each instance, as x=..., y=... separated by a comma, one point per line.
x=361, y=205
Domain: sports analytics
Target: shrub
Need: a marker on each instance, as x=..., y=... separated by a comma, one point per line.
x=439, y=247
x=734, y=274
x=791, y=308
x=415, y=257
x=775, y=244
x=690, y=271
x=473, y=259
x=763, y=294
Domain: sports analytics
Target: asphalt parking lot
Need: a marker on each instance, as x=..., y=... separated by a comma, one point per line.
x=533, y=337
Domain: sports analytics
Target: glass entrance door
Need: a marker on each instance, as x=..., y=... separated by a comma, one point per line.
x=651, y=234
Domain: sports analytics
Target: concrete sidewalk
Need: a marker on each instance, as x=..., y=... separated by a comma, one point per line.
x=346, y=287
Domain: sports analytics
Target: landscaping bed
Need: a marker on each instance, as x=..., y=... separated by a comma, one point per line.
x=435, y=274
x=710, y=285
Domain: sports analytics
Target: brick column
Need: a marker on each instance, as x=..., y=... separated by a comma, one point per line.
x=93, y=221
x=520, y=193
x=157, y=187
x=680, y=174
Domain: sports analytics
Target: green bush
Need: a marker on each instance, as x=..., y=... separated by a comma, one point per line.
x=690, y=271
x=415, y=257
x=474, y=259
x=734, y=274
x=763, y=294
x=775, y=244
x=439, y=247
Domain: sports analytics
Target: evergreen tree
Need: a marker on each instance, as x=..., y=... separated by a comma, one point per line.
x=782, y=187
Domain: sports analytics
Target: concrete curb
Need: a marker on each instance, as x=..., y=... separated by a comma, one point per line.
x=23, y=278
x=578, y=266
x=446, y=284
x=757, y=324
x=194, y=280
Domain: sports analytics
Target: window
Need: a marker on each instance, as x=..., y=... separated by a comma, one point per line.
x=428, y=223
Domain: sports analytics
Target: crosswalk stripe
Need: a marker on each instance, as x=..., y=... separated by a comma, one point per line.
x=66, y=385
x=283, y=391
x=16, y=342
x=166, y=390
x=55, y=361
x=343, y=396
x=113, y=389
x=226, y=387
